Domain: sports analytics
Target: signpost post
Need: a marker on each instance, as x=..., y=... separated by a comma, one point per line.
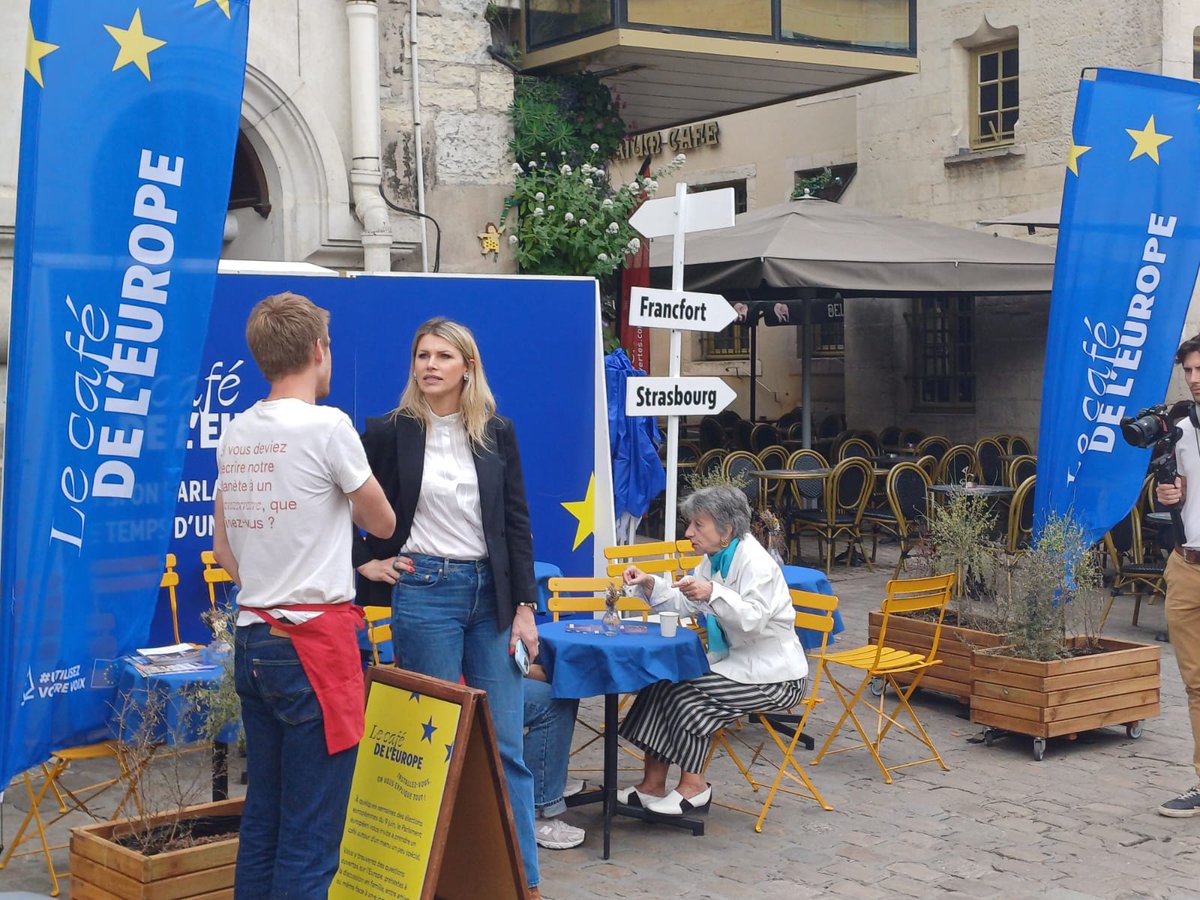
x=676, y=309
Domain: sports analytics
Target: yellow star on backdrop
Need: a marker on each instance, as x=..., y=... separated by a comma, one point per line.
x=1146, y=141
x=224, y=4
x=136, y=45
x=35, y=52
x=585, y=511
x=1076, y=151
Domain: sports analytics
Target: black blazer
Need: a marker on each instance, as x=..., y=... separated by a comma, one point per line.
x=395, y=448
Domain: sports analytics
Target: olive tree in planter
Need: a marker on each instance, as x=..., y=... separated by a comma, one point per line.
x=181, y=848
x=958, y=538
x=1056, y=676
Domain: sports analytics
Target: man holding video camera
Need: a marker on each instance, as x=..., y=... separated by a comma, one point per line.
x=1183, y=570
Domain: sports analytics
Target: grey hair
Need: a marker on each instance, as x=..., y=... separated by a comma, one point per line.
x=727, y=506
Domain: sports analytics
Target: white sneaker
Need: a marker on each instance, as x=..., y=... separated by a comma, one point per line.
x=571, y=788
x=555, y=834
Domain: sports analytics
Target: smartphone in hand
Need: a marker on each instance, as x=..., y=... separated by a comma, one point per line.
x=521, y=658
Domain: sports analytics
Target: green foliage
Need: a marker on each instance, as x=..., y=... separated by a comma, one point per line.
x=564, y=114
x=959, y=539
x=1055, y=590
x=813, y=186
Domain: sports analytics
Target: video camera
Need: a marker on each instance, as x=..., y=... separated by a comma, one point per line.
x=1155, y=426
x=1149, y=426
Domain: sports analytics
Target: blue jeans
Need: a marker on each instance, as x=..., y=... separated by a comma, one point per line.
x=444, y=624
x=296, y=799
x=549, y=724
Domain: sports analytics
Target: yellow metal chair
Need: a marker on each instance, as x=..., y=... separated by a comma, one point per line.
x=815, y=613
x=214, y=575
x=169, y=582
x=379, y=627
x=666, y=558
x=880, y=661
x=69, y=800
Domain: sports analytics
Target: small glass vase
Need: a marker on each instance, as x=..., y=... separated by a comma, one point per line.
x=611, y=621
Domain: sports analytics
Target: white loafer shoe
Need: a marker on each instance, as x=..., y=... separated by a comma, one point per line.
x=675, y=804
x=631, y=796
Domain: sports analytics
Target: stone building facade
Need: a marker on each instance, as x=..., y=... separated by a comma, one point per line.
x=910, y=143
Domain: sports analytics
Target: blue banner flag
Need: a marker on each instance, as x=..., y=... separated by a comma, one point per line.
x=129, y=122
x=1128, y=253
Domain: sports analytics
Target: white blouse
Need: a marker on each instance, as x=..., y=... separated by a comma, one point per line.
x=448, y=520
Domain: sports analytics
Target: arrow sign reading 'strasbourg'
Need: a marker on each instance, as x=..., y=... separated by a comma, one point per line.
x=702, y=396
x=702, y=212
x=655, y=308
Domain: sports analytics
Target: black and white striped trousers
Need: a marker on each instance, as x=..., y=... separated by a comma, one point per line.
x=675, y=723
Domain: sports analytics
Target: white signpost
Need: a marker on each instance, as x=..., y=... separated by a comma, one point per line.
x=675, y=309
x=656, y=308
x=677, y=396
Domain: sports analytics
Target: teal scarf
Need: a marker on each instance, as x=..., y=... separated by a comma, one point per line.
x=720, y=562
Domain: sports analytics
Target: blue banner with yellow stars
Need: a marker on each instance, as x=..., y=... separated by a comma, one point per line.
x=129, y=122
x=1128, y=253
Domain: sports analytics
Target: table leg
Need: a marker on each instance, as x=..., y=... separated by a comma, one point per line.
x=610, y=765
x=220, y=771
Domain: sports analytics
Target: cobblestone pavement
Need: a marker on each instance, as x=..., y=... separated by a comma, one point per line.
x=1081, y=823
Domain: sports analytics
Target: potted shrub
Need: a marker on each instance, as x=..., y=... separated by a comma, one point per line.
x=1055, y=675
x=958, y=538
x=180, y=848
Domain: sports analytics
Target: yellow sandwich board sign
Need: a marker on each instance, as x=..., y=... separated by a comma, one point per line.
x=428, y=815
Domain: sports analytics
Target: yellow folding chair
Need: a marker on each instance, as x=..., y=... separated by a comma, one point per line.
x=379, y=627
x=169, y=582
x=880, y=661
x=69, y=800
x=815, y=613
x=213, y=575
x=666, y=558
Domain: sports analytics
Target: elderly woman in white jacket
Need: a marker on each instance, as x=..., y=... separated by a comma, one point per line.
x=757, y=662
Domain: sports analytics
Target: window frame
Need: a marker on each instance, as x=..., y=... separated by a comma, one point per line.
x=978, y=140
x=739, y=335
x=950, y=315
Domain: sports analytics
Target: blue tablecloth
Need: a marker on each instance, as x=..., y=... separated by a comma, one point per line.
x=585, y=665
x=171, y=697
x=801, y=579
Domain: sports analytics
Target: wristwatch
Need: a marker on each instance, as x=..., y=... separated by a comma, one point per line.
x=531, y=605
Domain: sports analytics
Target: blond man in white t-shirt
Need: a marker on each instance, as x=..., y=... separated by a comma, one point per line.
x=292, y=478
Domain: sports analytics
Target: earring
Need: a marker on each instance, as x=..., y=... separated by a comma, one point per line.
x=467, y=378
x=725, y=543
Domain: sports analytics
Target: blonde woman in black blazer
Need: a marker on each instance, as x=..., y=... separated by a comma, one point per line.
x=458, y=571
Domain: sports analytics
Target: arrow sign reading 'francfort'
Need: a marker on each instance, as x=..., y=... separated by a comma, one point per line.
x=677, y=396
x=654, y=308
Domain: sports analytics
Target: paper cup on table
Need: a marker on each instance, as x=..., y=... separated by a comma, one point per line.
x=668, y=622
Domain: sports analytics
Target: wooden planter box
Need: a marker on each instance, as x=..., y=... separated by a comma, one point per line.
x=953, y=676
x=104, y=870
x=1066, y=696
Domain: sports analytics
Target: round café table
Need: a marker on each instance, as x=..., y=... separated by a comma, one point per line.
x=582, y=664
x=765, y=475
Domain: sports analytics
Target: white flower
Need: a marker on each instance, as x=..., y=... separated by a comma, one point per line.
x=634, y=245
x=562, y=152
x=633, y=185
x=613, y=228
x=565, y=169
x=589, y=182
x=533, y=164
x=594, y=147
x=550, y=208
x=680, y=159
x=582, y=222
x=539, y=211
x=539, y=196
x=606, y=203
x=647, y=181
x=569, y=217
x=603, y=257
x=543, y=154
x=516, y=169
x=512, y=238
x=653, y=185
x=585, y=169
